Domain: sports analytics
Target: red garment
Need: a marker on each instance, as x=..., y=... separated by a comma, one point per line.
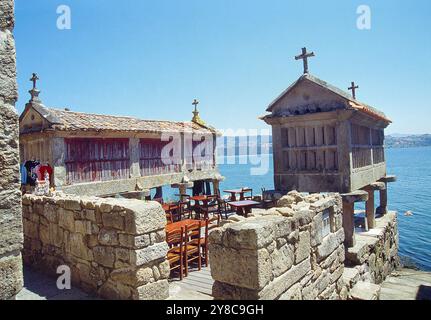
x=44, y=169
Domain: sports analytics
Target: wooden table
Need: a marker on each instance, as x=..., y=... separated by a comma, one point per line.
x=243, y=207
x=180, y=224
x=234, y=192
x=199, y=198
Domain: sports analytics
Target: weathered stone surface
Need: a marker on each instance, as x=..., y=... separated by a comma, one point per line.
x=7, y=14
x=108, y=237
x=277, y=287
x=155, y=252
x=245, y=268
x=329, y=244
x=301, y=264
x=154, y=291
x=302, y=251
x=11, y=280
x=294, y=293
x=365, y=291
x=147, y=218
x=375, y=254
x=66, y=220
x=282, y=259
x=113, y=220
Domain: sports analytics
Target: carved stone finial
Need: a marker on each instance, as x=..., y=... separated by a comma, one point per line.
x=34, y=92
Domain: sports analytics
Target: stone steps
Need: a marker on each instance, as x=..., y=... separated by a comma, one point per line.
x=407, y=284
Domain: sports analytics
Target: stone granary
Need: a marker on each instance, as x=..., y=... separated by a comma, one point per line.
x=104, y=155
x=324, y=140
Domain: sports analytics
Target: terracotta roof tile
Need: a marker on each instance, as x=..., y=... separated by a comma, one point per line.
x=64, y=120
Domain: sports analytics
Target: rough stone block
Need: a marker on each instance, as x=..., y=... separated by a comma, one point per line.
x=11, y=280
x=246, y=268
x=329, y=244
x=6, y=14
x=104, y=256
x=293, y=293
x=303, y=249
x=280, y=285
x=154, y=291
x=66, y=220
x=365, y=291
x=11, y=230
x=147, y=216
x=113, y=220
x=155, y=252
x=282, y=259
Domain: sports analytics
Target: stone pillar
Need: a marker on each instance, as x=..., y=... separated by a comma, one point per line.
x=349, y=224
x=369, y=210
x=134, y=151
x=349, y=200
x=383, y=208
x=58, y=150
x=11, y=235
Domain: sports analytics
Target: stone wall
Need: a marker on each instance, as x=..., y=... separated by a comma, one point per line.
x=281, y=253
x=10, y=196
x=375, y=254
x=115, y=248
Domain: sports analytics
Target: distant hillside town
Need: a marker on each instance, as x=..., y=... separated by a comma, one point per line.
x=408, y=141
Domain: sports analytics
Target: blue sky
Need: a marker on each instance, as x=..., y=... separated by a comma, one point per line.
x=151, y=58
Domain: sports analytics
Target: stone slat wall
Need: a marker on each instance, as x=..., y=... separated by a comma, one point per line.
x=10, y=196
x=281, y=253
x=115, y=248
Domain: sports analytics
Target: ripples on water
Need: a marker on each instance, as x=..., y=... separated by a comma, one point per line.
x=412, y=191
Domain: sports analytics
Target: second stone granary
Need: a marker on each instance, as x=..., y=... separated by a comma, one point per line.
x=324, y=140
x=104, y=155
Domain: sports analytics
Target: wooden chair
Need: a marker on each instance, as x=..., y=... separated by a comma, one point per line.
x=210, y=206
x=247, y=190
x=268, y=200
x=193, y=245
x=169, y=218
x=210, y=224
x=184, y=210
x=175, y=256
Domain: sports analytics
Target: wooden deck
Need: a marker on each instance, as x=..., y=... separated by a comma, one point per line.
x=407, y=284
x=196, y=286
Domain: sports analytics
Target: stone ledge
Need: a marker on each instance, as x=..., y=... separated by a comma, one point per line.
x=365, y=291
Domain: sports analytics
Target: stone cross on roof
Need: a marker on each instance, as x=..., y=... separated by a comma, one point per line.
x=353, y=88
x=304, y=56
x=196, y=118
x=34, y=79
x=195, y=103
x=34, y=92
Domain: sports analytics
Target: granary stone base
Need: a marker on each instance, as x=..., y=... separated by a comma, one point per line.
x=115, y=248
x=281, y=253
x=10, y=197
x=375, y=254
